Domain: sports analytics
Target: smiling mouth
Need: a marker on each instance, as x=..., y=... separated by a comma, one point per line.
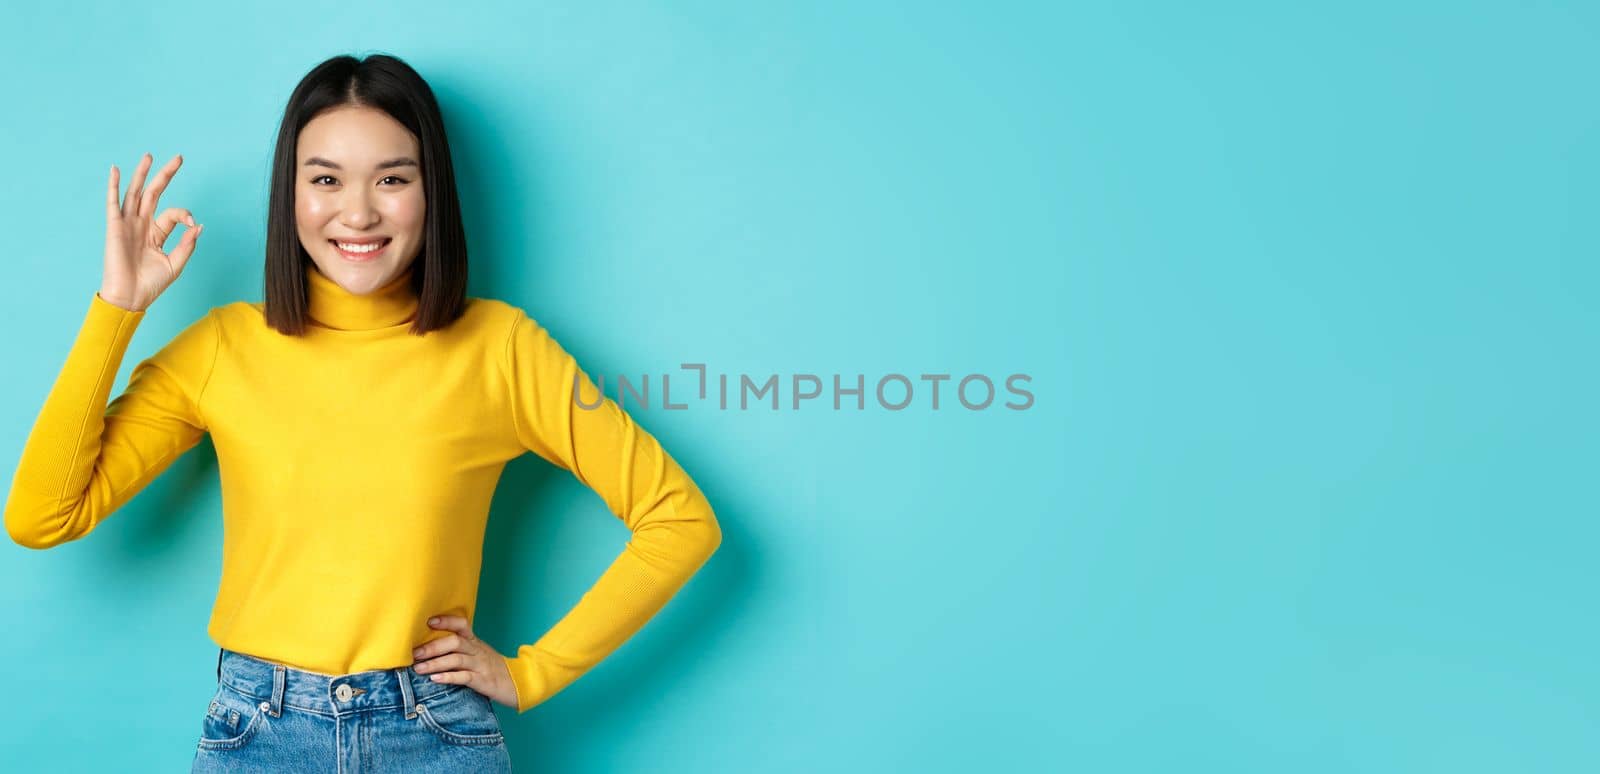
x=357, y=251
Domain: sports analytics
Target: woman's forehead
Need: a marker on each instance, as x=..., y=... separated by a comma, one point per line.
x=360, y=137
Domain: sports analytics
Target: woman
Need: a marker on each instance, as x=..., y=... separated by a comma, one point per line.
x=361, y=417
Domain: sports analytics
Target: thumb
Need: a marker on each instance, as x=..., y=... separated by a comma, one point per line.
x=165, y=222
x=180, y=254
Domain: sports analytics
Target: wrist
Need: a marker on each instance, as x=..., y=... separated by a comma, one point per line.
x=120, y=303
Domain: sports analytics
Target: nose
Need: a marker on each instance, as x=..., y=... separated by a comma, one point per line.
x=356, y=210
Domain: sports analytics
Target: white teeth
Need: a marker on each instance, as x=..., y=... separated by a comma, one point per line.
x=350, y=248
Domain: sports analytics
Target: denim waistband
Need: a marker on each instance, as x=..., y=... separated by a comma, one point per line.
x=277, y=686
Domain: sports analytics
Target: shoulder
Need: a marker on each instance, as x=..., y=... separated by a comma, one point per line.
x=503, y=317
x=502, y=311
x=240, y=312
x=521, y=338
x=492, y=311
x=231, y=320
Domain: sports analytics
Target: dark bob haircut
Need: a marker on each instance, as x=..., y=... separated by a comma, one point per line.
x=385, y=83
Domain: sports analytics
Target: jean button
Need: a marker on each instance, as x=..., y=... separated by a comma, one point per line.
x=343, y=692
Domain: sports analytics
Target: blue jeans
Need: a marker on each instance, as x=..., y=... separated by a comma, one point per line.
x=269, y=717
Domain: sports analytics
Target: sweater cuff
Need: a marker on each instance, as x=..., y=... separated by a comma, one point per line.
x=522, y=678
x=106, y=313
x=109, y=327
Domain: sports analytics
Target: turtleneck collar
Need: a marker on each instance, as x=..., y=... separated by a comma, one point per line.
x=332, y=306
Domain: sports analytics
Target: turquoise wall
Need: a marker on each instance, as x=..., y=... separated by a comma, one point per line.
x=1302, y=292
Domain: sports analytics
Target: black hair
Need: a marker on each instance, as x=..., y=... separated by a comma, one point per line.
x=388, y=84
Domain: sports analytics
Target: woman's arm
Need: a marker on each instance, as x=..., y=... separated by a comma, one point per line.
x=84, y=458
x=674, y=529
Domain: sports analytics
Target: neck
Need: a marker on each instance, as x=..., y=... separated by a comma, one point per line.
x=331, y=306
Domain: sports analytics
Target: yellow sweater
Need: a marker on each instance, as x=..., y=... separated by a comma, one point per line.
x=357, y=467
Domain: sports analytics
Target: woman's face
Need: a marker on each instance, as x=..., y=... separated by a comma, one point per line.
x=358, y=183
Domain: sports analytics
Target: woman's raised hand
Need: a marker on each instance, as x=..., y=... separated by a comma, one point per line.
x=137, y=270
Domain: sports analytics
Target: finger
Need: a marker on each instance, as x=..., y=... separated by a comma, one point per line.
x=445, y=644
x=166, y=221
x=180, y=254
x=454, y=678
x=130, y=202
x=152, y=195
x=443, y=663
x=454, y=623
x=112, y=208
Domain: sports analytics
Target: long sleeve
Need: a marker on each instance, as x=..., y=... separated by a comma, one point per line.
x=674, y=529
x=85, y=458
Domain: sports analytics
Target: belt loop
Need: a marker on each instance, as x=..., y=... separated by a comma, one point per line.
x=406, y=697
x=278, y=676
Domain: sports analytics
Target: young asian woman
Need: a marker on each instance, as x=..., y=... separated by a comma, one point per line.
x=361, y=415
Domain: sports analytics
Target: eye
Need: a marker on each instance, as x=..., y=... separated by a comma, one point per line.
x=320, y=177
x=403, y=181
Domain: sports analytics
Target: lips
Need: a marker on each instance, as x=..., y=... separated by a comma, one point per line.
x=365, y=253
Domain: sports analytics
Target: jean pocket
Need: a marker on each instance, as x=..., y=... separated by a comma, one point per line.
x=231, y=720
x=461, y=716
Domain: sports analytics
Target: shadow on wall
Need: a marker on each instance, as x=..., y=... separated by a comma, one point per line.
x=157, y=523
x=625, y=689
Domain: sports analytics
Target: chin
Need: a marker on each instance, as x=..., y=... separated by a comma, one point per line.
x=356, y=277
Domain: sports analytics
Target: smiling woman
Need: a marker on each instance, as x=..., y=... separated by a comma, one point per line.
x=360, y=221
x=364, y=161
x=364, y=410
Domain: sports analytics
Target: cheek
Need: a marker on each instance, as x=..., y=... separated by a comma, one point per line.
x=408, y=212
x=311, y=209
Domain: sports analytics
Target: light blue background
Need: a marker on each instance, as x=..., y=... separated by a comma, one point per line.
x=1307, y=295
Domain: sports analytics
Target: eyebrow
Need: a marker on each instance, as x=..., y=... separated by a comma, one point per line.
x=402, y=161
